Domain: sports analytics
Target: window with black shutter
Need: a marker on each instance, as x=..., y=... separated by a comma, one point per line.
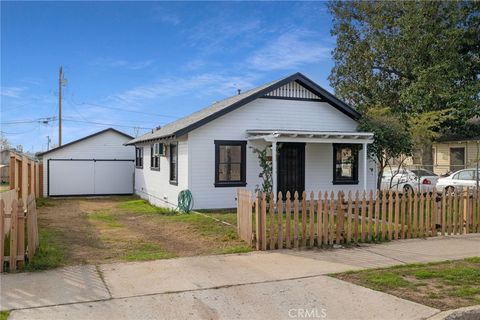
x=155, y=150
x=230, y=163
x=345, y=163
x=173, y=163
x=139, y=157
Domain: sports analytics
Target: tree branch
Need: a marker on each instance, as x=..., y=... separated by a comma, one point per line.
x=394, y=71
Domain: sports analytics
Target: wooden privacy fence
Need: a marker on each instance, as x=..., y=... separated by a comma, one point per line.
x=13, y=248
x=26, y=176
x=329, y=218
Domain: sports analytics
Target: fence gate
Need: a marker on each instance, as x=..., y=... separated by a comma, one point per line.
x=18, y=231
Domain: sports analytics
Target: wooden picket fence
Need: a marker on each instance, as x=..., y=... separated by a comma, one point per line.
x=244, y=216
x=327, y=218
x=20, y=221
x=8, y=197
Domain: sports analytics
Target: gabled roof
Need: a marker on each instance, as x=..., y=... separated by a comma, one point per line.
x=85, y=138
x=201, y=117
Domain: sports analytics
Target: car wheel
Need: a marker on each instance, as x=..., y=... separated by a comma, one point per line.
x=407, y=189
x=450, y=190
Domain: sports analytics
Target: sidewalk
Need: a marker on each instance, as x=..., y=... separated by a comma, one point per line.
x=255, y=285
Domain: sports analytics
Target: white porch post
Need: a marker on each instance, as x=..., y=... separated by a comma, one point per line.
x=274, y=169
x=365, y=166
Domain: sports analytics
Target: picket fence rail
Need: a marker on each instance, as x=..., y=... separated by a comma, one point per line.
x=329, y=218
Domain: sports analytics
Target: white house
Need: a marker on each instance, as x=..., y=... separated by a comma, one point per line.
x=313, y=137
x=98, y=164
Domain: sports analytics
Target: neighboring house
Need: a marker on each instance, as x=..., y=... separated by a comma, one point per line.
x=316, y=147
x=5, y=165
x=98, y=164
x=5, y=162
x=454, y=153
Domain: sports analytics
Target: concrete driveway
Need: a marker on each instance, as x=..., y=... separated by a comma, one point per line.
x=285, y=284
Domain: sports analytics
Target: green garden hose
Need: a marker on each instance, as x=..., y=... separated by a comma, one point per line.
x=185, y=201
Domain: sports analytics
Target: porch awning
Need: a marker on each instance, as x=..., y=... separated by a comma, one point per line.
x=310, y=136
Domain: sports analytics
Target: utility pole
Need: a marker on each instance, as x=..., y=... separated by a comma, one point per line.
x=61, y=82
x=136, y=130
x=48, y=142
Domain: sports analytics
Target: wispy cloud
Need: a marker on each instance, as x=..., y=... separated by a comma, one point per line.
x=224, y=33
x=197, y=85
x=12, y=92
x=121, y=63
x=290, y=50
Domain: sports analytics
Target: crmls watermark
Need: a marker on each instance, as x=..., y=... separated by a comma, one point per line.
x=303, y=313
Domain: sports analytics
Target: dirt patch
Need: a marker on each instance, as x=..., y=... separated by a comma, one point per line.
x=177, y=237
x=96, y=230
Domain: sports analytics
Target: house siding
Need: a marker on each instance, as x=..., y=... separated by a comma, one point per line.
x=441, y=154
x=265, y=114
x=319, y=170
x=108, y=145
x=154, y=185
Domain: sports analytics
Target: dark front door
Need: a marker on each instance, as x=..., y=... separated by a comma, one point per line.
x=291, y=168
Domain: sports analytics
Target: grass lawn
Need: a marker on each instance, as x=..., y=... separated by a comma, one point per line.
x=443, y=285
x=51, y=252
x=111, y=229
x=4, y=314
x=230, y=216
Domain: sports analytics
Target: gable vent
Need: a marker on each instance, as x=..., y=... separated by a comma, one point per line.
x=293, y=90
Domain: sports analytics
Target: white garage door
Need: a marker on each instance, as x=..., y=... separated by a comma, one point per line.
x=90, y=177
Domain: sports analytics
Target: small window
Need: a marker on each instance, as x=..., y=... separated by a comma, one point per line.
x=345, y=164
x=230, y=163
x=173, y=163
x=155, y=155
x=457, y=159
x=139, y=157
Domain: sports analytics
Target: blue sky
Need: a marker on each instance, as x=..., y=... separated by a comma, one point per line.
x=158, y=60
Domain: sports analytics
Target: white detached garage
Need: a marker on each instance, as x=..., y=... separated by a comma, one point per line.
x=98, y=164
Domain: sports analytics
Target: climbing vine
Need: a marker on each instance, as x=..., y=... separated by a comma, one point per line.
x=265, y=163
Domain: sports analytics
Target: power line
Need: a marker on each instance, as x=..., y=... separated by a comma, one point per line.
x=13, y=133
x=121, y=109
x=39, y=120
x=106, y=124
x=76, y=110
x=51, y=119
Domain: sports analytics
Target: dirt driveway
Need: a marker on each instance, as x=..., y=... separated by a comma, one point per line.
x=108, y=229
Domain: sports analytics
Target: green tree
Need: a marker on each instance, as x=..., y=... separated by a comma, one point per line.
x=416, y=58
x=424, y=128
x=392, y=138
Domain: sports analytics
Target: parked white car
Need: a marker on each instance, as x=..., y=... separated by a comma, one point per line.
x=405, y=180
x=457, y=180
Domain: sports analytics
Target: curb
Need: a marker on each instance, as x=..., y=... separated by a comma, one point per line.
x=467, y=313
